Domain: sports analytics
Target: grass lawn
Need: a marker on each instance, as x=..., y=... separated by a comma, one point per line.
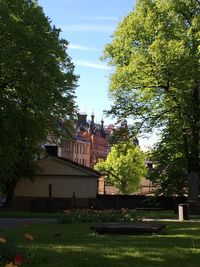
x=27, y=214
x=75, y=245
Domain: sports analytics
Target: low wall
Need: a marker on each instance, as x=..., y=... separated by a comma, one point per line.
x=48, y=205
x=137, y=201
x=100, y=202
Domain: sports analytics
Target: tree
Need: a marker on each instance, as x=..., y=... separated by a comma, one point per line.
x=122, y=133
x=37, y=86
x=156, y=53
x=124, y=167
x=169, y=173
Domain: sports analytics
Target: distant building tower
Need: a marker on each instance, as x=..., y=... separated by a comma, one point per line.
x=92, y=124
x=102, y=130
x=82, y=121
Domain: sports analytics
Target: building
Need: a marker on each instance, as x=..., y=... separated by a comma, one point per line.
x=61, y=183
x=98, y=139
x=89, y=144
x=77, y=150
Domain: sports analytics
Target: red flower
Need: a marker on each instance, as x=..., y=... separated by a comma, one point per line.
x=19, y=259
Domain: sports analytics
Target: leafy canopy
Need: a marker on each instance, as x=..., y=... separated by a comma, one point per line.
x=37, y=87
x=169, y=174
x=124, y=167
x=155, y=53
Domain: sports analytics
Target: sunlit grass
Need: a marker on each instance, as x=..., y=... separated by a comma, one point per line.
x=75, y=245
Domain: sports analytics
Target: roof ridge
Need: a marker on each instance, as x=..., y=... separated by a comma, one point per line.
x=78, y=165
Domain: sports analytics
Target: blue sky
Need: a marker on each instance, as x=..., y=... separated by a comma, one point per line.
x=88, y=26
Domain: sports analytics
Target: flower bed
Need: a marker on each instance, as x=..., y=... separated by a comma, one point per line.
x=13, y=255
x=92, y=216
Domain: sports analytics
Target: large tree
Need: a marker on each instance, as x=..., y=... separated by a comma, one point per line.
x=169, y=173
x=124, y=167
x=155, y=53
x=37, y=88
x=123, y=133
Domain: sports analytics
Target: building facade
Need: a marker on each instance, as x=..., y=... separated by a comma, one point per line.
x=77, y=150
x=89, y=144
x=61, y=182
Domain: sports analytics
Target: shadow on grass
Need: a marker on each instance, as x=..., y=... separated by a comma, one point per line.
x=77, y=246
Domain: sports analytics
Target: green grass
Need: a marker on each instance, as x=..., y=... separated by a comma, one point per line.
x=161, y=214
x=75, y=245
x=27, y=214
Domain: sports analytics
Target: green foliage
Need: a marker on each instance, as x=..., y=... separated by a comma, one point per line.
x=122, y=133
x=155, y=55
x=124, y=167
x=170, y=172
x=12, y=251
x=37, y=85
x=119, y=135
x=7, y=253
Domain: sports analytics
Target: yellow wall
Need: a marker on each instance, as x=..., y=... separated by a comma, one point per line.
x=65, y=179
x=62, y=187
x=101, y=187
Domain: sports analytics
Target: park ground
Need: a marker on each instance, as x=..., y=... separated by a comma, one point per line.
x=57, y=244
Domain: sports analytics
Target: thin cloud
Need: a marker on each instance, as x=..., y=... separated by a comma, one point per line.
x=88, y=28
x=84, y=63
x=83, y=48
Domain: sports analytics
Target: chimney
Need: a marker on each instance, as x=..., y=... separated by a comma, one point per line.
x=82, y=119
x=102, y=124
x=92, y=125
x=92, y=116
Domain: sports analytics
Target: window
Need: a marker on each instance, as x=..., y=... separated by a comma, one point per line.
x=75, y=148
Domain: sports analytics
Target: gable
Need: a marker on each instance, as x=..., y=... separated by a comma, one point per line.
x=55, y=166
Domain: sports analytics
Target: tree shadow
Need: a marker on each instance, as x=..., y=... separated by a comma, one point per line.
x=77, y=246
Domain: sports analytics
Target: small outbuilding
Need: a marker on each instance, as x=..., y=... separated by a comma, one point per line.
x=61, y=184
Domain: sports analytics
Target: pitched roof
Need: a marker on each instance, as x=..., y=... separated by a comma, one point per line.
x=76, y=165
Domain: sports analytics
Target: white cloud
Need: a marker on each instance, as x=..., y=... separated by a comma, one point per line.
x=83, y=48
x=88, y=28
x=88, y=64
